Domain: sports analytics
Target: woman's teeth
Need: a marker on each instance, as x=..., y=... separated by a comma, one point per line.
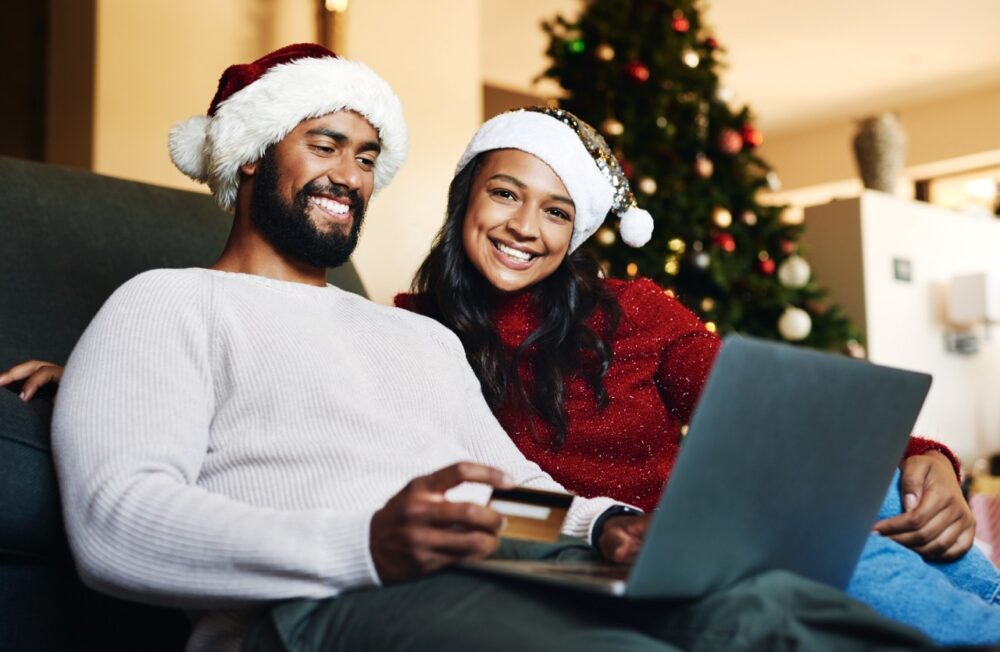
x=513, y=253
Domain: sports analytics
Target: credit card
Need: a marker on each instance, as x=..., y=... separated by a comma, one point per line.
x=531, y=514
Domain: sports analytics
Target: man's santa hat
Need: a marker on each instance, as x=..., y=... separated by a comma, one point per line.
x=257, y=104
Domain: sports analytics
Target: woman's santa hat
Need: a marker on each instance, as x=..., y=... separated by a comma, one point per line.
x=581, y=158
x=257, y=104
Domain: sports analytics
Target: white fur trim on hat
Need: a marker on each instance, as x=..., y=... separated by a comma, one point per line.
x=265, y=111
x=560, y=147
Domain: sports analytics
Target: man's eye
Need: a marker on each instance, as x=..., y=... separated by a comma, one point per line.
x=366, y=162
x=323, y=149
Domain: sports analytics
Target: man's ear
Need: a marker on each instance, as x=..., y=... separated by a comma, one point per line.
x=249, y=169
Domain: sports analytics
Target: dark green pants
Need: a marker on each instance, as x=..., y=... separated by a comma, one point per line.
x=457, y=610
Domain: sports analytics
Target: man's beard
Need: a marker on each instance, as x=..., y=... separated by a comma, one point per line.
x=287, y=226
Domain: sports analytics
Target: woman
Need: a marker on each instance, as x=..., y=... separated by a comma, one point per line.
x=596, y=386
x=593, y=378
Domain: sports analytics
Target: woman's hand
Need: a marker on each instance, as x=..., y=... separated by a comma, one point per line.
x=35, y=374
x=621, y=537
x=936, y=521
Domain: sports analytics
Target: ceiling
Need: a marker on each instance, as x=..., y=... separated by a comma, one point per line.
x=798, y=63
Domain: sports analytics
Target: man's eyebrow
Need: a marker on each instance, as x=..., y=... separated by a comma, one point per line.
x=564, y=199
x=342, y=139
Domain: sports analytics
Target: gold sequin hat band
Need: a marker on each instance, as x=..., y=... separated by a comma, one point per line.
x=581, y=158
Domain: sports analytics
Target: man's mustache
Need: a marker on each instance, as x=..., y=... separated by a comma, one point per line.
x=333, y=190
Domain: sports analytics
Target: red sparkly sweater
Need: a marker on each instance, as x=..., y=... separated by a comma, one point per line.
x=662, y=356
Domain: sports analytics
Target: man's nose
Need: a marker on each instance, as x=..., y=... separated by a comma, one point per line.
x=344, y=171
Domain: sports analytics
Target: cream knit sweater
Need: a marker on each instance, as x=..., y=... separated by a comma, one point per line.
x=222, y=440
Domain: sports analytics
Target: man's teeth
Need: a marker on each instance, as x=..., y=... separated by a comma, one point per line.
x=513, y=253
x=330, y=206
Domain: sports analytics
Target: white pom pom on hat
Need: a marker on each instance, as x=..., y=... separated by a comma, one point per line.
x=582, y=160
x=259, y=103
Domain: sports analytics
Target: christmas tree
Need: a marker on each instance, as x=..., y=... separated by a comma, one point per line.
x=645, y=73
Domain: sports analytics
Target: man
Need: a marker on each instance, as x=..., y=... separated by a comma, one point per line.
x=239, y=436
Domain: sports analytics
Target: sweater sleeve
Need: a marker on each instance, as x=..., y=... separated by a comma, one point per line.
x=131, y=434
x=920, y=445
x=489, y=444
x=687, y=348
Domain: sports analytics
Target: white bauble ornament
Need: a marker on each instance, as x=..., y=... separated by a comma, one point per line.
x=794, y=324
x=794, y=272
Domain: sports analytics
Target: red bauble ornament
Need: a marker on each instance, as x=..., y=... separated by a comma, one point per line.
x=766, y=267
x=711, y=43
x=730, y=141
x=637, y=71
x=681, y=24
x=751, y=135
x=788, y=247
x=725, y=242
x=627, y=168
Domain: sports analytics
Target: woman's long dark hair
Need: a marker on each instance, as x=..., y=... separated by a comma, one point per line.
x=563, y=344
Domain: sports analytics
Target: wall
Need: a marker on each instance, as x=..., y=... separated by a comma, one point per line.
x=946, y=135
x=904, y=321
x=439, y=82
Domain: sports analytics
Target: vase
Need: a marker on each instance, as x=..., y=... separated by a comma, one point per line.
x=880, y=150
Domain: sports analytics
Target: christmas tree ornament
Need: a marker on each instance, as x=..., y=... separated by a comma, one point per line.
x=752, y=137
x=606, y=236
x=612, y=127
x=726, y=242
x=766, y=266
x=773, y=181
x=680, y=23
x=672, y=265
x=722, y=218
x=690, y=58
x=730, y=141
x=855, y=349
x=632, y=270
x=637, y=71
x=576, y=45
x=711, y=328
x=793, y=215
x=794, y=272
x=749, y=217
x=795, y=324
x=676, y=245
x=662, y=122
x=788, y=247
x=697, y=245
x=701, y=260
x=708, y=304
x=604, y=52
x=647, y=185
x=703, y=166
x=711, y=43
x=725, y=94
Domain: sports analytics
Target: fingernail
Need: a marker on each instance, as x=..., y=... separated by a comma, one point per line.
x=503, y=523
x=23, y=395
x=909, y=501
x=507, y=480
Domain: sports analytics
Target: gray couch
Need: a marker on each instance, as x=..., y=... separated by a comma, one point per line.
x=69, y=239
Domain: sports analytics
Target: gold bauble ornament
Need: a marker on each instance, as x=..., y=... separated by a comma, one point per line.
x=604, y=52
x=612, y=127
x=749, y=217
x=690, y=58
x=722, y=217
x=647, y=185
x=606, y=236
x=703, y=166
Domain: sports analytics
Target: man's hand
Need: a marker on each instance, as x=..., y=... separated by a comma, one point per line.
x=35, y=374
x=937, y=522
x=621, y=537
x=418, y=531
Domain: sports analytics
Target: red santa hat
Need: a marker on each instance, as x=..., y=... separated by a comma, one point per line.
x=257, y=104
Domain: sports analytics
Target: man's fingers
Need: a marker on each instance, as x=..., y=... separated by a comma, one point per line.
x=466, y=516
x=452, y=544
x=961, y=545
x=456, y=474
x=924, y=535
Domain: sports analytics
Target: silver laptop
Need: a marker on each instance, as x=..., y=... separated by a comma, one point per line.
x=787, y=460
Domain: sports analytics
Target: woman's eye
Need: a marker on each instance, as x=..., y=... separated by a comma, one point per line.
x=560, y=214
x=503, y=194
